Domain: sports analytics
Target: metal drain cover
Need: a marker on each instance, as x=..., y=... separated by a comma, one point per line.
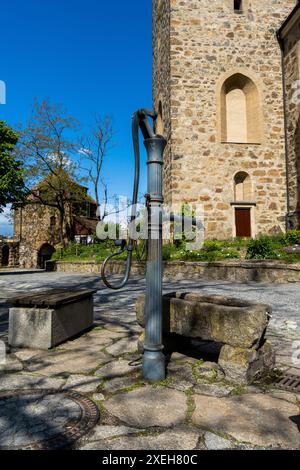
x=290, y=383
x=44, y=419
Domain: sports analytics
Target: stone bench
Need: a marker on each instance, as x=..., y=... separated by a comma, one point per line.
x=45, y=319
x=239, y=325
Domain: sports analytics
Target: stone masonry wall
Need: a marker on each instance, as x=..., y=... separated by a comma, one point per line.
x=33, y=229
x=161, y=79
x=13, y=253
x=197, y=45
x=292, y=74
x=176, y=270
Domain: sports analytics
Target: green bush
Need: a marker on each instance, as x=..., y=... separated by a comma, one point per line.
x=262, y=248
x=292, y=238
x=212, y=245
x=166, y=252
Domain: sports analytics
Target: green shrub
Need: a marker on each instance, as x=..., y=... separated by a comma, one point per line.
x=291, y=257
x=212, y=245
x=261, y=248
x=166, y=252
x=292, y=238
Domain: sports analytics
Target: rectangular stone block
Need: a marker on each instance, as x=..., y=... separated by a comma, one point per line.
x=244, y=366
x=212, y=318
x=44, y=328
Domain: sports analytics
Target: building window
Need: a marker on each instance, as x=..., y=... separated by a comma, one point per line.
x=242, y=187
x=241, y=113
x=238, y=6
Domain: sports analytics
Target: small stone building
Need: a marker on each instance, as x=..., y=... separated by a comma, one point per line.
x=289, y=38
x=218, y=88
x=36, y=229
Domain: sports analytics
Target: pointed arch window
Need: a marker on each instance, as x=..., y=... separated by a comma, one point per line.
x=241, y=113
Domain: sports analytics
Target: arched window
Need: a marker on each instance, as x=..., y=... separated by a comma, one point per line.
x=242, y=187
x=241, y=120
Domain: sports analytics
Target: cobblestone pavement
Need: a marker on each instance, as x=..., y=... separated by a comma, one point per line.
x=187, y=411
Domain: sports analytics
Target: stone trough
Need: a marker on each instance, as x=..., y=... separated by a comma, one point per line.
x=239, y=325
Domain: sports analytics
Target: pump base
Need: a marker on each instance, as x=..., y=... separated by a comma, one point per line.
x=154, y=369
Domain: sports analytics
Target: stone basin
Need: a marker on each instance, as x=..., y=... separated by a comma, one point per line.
x=227, y=320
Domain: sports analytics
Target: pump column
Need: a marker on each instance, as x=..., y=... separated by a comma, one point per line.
x=153, y=358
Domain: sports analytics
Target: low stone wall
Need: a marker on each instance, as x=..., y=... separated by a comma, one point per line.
x=258, y=271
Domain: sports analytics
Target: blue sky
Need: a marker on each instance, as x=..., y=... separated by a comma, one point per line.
x=93, y=56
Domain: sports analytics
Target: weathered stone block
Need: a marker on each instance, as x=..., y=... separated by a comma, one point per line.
x=44, y=328
x=213, y=318
x=243, y=366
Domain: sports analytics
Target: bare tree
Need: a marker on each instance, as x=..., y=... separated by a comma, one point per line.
x=95, y=148
x=49, y=154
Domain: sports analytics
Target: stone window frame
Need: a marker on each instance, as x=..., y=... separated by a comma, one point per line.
x=220, y=106
x=246, y=180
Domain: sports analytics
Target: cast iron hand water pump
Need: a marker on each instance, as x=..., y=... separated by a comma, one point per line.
x=153, y=358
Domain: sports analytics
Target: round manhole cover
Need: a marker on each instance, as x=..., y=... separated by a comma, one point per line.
x=44, y=419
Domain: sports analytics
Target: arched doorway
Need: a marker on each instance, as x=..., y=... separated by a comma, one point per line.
x=5, y=255
x=45, y=253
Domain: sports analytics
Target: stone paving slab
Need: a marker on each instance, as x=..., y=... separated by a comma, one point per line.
x=94, y=341
x=148, y=407
x=214, y=390
x=258, y=419
x=115, y=369
x=107, y=432
x=11, y=364
x=23, y=381
x=82, y=383
x=177, y=439
x=26, y=354
x=125, y=345
x=68, y=362
x=215, y=442
x=119, y=383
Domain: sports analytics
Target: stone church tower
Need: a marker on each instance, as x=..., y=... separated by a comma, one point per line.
x=217, y=84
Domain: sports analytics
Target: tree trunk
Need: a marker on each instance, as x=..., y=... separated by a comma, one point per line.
x=61, y=227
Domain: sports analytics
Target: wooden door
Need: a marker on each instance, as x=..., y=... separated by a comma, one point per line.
x=243, y=222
